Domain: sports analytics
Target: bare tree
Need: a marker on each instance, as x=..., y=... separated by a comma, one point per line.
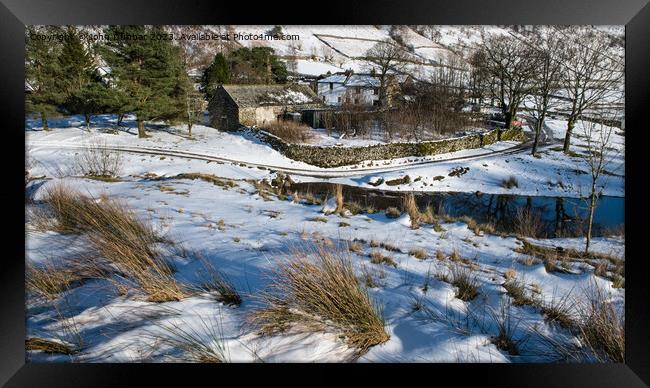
x=591, y=73
x=510, y=64
x=600, y=154
x=546, y=81
x=385, y=58
x=193, y=108
x=478, y=77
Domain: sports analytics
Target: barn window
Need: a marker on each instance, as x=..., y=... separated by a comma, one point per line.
x=356, y=101
x=358, y=90
x=339, y=100
x=375, y=91
x=331, y=85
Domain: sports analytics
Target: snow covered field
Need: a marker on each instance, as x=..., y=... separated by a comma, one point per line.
x=245, y=232
x=553, y=174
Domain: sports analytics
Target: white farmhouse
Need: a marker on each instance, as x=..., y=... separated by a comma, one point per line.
x=357, y=89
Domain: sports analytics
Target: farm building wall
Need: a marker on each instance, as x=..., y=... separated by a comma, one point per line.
x=224, y=112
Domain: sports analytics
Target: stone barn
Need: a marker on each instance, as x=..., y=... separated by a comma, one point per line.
x=235, y=105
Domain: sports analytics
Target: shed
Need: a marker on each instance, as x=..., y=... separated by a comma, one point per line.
x=235, y=105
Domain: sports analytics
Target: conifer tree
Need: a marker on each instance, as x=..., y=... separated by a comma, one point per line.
x=218, y=73
x=42, y=71
x=144, y=66
x=85, y=92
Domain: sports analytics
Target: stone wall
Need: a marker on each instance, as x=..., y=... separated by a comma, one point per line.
x=341, y=156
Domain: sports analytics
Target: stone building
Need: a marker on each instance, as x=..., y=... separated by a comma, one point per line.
x=235, y=105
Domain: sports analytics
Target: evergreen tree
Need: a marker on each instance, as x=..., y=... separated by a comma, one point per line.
x=75, y=63
x=218, y=73
x=85, y=93
x=145, y=68
x=42, y=72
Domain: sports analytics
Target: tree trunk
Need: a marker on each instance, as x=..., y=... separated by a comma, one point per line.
x=87, y=117
x=189, y=128
x=120, y=117
x=538, y=130
x=569, y=131
x=592, y=208
x=141, y=132
x=44, y=121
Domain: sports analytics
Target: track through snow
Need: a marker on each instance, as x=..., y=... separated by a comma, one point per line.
x=325, y=173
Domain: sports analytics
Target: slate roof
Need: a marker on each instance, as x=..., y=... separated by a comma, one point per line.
x=247, y=96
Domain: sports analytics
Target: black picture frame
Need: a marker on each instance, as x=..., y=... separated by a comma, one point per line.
x=15, y=14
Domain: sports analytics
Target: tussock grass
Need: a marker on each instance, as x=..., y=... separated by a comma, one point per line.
x=318, y=290
x=507, y=325
x=510, y=182
x=338, y=195
x=221, y=182
x=516, y=289
x=418, y=253
x=376, y=257
x=203, y=344
x=47, y=346
x=392, y=212
x=601, y=327
x=465, y=280
x=48, y=281
x=355, y=246
x=117, y=239
x=368, y=277
x=560, y=310
x=410, y=206
x=318, y=219
x=219, y=283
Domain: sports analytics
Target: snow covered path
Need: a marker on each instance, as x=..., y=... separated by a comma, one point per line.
x=504, y=148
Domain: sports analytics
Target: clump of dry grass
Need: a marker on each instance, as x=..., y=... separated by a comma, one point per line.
x=392, y=212
x=410, y=206
x=464, y=279
x=529, y=261
x=318, y=219
x=368, y=277
x=317, y=289
x=550, y=265
x=289, y=131
x=510, y=182
x=559, y=310
x=355, y=246
x=203, y=344
x=338, y=195
x=517, y=291
x=47, y=346
x=418, y=253
x=601, y=327
x=440, y=255
x=376, y=257
x=217, y=181
x=117, y=238
x=507, y=325
x=219, y=283
x=49, y=280
x=455, y=256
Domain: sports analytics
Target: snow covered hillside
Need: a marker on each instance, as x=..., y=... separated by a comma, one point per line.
x=447, y=289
